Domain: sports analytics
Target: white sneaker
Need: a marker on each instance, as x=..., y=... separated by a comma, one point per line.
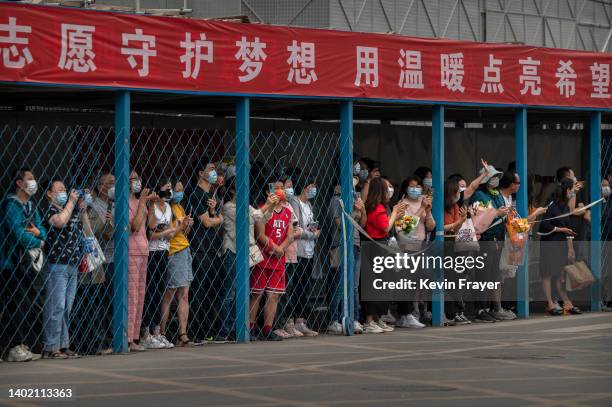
x=372, y=328
x=20, y=353
x=167, y=344
x=303, y=328
x=151, y=342
x=290, y=329
x=389, y=318
x=335, y=328
x=409, y=321
x=383, y=325
x=357, y=327
x=509, y=314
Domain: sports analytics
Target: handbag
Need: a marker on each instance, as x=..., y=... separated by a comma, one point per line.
x=255, y=256
x=466, y=240
x=577, y=276
x=95, y=255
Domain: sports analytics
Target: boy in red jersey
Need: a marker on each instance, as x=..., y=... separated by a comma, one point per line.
x=273, y=237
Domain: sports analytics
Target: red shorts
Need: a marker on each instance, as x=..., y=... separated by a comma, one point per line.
x=271, y=281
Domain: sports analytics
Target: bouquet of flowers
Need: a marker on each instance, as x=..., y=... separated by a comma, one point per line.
x=517, y=235
x=406, y=224
x=484, y=215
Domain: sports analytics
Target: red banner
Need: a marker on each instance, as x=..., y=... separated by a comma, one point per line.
x=53, y=45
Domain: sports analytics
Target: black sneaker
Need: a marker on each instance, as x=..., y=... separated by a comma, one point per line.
x=484, y=317
x=492, y=314
x=459, y=320
x=272, y=337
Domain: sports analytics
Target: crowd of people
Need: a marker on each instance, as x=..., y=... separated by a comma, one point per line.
x=182, y=252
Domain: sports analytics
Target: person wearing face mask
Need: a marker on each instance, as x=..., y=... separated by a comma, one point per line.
x=180, y=273
x=206, y=244
x=425, y=174
x=370, y=169
x=420, y=206
x=467, y=190
x=557, y=248
x=96, y=287
x=379, y=225
x=285, y=324
x=161, y=229
x=138, y=256
x=488, y=194
x=23, y=231
x=309, y=233
x=68, y=224
x=274, y=233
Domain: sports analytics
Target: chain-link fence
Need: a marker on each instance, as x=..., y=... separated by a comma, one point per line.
x=182, y=243
x=606, y=218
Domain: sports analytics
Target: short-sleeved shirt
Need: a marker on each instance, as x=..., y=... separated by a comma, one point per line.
x=276, y=229
x=411, y=209
x=179, y=241
x=203, y=239
x=138, y=243
x=377, y=223
x=163, y=221
x=64, y=245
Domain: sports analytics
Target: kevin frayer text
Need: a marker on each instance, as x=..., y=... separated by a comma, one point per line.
x=428, y=284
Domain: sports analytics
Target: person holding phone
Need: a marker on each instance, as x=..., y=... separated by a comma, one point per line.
x=274, y=236
x=68, y=224
x=161, y=229
x=180, y=273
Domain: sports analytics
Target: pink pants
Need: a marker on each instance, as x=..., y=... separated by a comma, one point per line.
x=137, y=280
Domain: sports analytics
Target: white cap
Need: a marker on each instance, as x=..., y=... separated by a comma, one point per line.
x=492, y=172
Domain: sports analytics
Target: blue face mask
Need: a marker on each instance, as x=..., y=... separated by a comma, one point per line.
x=312, y=192
x=356, y=169
x=428, y=182
x=414, y=192
x=178, y=196
x=363, y=174
x=289, y=192
x=61, y=198
x=212, y=177
x=88, y=199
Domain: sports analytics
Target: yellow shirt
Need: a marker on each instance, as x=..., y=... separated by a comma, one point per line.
x=179, y=241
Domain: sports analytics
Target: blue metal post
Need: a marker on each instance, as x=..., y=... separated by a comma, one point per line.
x=346, y=186
x=437, y=125
x=522, y=274
x=595, y=192
x=242, y=219
x=122, y=197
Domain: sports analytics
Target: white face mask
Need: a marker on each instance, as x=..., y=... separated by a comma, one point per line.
x=390, y=192
x=136, y=186
x=31, y=187
x=493, y=183
x=461, y=189
x=111, y=193
x=605, y=192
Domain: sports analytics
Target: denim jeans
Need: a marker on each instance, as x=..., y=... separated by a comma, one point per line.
x=227, y=312
x=60, y=290
x=337, y=290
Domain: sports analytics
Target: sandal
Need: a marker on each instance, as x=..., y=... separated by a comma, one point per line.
x=555, y=312
x=70, y=354
x=54, y=355
x=572, y=311
x=184, y=341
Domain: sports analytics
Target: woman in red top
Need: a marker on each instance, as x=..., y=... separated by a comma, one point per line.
x=378, y=226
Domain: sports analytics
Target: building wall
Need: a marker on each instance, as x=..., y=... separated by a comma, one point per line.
x=573, y=24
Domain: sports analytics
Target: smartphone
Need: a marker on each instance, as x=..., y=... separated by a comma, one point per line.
x=271, y=188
